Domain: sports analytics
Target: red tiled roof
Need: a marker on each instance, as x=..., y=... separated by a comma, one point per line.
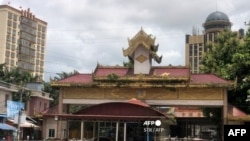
x=234, y=111
x=102, y=71
x=78, y=78
x=207, y=79
x=138, y=102
x=51, y=110
x=123, y=71
x=105, y=71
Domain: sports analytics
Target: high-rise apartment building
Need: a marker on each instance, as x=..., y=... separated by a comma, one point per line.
x=22, y=40
x=195, y=44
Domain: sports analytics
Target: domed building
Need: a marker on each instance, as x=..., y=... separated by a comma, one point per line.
x=195, y=44
x=217, y=21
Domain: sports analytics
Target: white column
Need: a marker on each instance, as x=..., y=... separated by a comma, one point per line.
x=82, y=129
x=125, y=131
x=117, y=131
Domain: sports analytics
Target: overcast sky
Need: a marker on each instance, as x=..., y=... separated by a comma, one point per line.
x=82, y=33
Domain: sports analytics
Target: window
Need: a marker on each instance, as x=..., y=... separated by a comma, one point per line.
x=190, y=50
x=7, y=53
x=195, y=50
x=15, y=17
x=51, y=133
x=9, y=23
x=9, y=15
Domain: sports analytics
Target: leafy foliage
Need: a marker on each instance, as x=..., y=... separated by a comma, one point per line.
x=64, y=75
x=20, y=78
x=112, y=77
x=54, y=93
x=129, y=64
x=229, y=58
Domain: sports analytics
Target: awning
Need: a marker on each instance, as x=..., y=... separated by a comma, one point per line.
x=5, y=126
x=26, y=124
x=132, y=110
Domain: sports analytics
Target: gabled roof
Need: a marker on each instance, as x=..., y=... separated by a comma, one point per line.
x=140, y=38
x=235, y=114
x=144, y=40
x=197, y=79
x=77, y=79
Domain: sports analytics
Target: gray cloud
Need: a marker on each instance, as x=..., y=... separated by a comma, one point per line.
x=82, y=33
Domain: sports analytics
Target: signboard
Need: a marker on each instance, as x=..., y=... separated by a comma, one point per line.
x=13, y=108
x=22, y=118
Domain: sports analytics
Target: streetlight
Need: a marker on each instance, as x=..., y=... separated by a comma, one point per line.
x=247, y=23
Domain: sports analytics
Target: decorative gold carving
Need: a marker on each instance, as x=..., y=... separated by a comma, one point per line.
x=147, y=93
x=85, y=93
x=201, y=94
x=141, y=58
x=165, y=74
x=161, y=94
x=140, y=38
x=141, y=94
x=119, y=93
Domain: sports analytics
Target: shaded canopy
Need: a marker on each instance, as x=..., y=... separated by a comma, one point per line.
x=131, y=110
x=5, y=126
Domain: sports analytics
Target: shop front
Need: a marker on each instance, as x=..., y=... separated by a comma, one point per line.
x=121, y=121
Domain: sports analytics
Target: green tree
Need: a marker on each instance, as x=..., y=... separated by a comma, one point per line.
x=53, y=93
x=229, y=58
x=19, y=78
x=129, y=64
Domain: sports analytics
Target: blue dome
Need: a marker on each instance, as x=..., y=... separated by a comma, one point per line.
x=215, y=16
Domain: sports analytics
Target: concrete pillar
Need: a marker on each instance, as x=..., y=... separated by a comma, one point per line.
x=117, y=131
x=82, y=129
x=125, y=132
x=60, y=111
x=44, y=131
x=225, y=113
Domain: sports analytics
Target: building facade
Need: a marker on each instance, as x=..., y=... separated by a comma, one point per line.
x=6, y=91
x=22, y=40
x=117, y=101
x=195, y=44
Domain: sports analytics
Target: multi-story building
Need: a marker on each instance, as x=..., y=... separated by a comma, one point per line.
x=22, y=40
x=196, y=44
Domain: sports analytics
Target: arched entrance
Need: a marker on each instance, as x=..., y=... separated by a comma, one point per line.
x=132, y=120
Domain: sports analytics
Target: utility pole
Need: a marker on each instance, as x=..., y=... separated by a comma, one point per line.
x=19, y=116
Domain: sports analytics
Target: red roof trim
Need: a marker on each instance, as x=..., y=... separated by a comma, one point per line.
x=170, y=72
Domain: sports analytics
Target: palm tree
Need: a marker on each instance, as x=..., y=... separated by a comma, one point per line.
x=64, y=75
x=20, y=78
